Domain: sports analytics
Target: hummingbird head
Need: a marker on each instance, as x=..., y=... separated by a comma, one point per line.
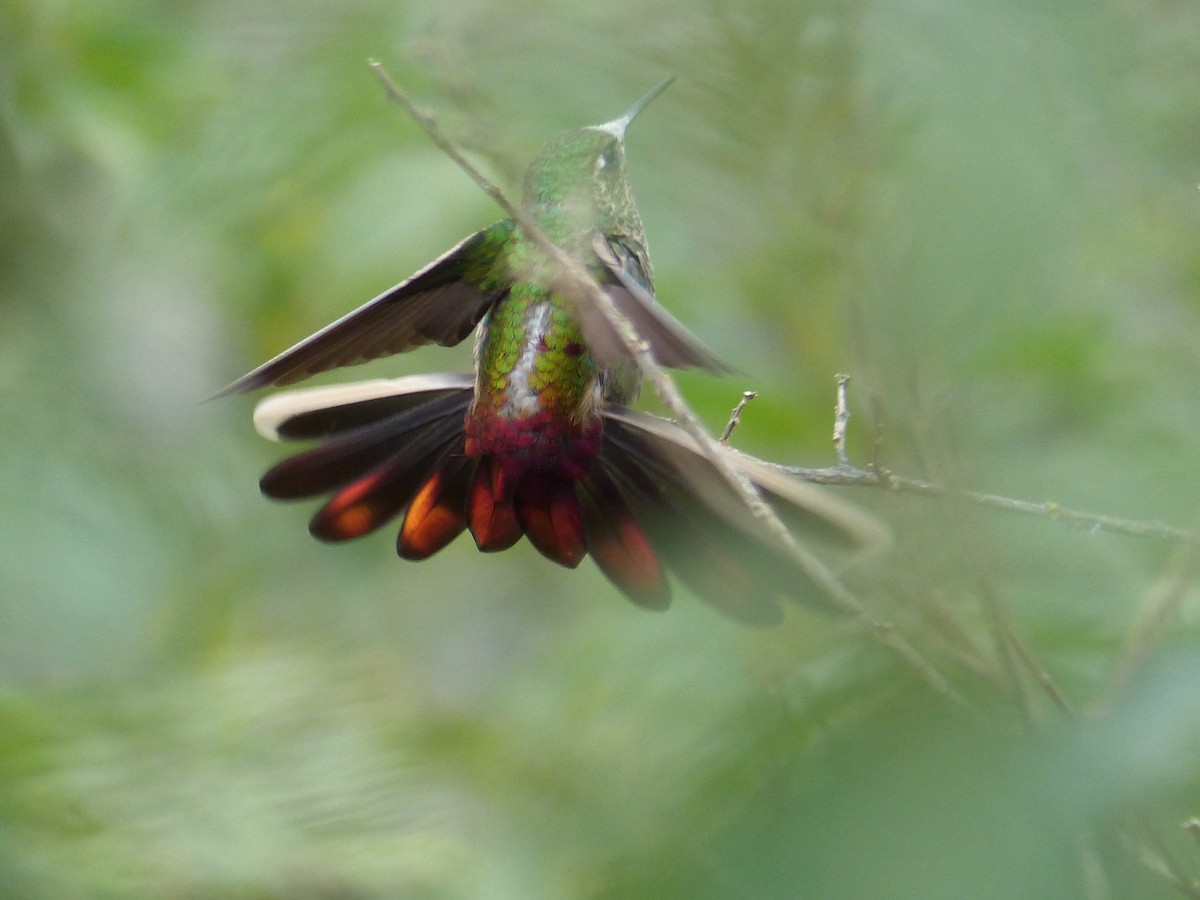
x=582, y=172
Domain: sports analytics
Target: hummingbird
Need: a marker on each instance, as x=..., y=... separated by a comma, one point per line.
x=539, y=441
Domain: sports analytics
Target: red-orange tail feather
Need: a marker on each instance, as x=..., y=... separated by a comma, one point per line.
x=490, y=512
x=437, y=514
x=549, y=513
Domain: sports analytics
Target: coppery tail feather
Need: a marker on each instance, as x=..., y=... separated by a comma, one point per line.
x=438, y=512
x=651, y=501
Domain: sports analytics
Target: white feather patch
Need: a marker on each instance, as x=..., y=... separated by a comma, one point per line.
x=270, y=414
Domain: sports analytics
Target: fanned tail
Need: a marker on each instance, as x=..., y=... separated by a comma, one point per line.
x=650, y=502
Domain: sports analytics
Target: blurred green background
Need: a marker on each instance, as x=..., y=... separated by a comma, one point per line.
x=985, y=212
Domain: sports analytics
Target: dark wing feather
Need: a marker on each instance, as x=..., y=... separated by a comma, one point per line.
x=706, y=534
x=716, y=560
x=441, y=304
x=631, y=291
x=814, y=511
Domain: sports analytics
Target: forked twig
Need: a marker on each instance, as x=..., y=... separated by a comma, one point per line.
x=847, y=474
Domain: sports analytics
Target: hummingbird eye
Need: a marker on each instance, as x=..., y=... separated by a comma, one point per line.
x=606, y=159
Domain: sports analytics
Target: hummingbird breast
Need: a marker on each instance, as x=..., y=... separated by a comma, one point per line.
x=536, y=387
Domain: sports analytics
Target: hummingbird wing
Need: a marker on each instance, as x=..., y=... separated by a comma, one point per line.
x=704, y=531
x=440, y=304
x=813, y=510
x=632, y=292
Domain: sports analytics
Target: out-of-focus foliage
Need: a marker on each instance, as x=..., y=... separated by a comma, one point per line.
x=985, y=212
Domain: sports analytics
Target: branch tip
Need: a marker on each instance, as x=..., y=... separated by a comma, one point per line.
x=735, y=416
x=841, y=419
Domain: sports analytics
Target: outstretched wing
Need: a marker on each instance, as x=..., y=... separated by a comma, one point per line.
x=703, y=530
x=813, y=510
x=440, y=304
x=630, y=288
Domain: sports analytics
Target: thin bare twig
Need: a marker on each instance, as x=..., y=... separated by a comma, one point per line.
x=735, y=416
x=576, y=280
x=851, y=475
x=1002, y=633
x=1016, y=657
x=1163, y=603
x=1039, y=673
x=847, y=474
x=1013, y=666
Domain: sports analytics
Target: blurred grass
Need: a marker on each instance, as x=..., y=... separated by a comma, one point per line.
x=985, y=213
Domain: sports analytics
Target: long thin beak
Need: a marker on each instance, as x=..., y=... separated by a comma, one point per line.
x=618, y=126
